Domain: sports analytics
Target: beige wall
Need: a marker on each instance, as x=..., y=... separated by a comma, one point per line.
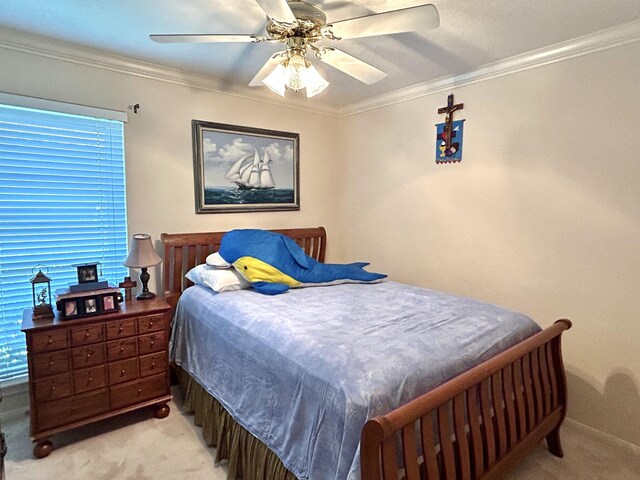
x=159, y=161
x=542, y=215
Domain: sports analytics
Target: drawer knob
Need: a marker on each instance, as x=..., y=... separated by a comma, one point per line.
x=120, y=330
x=53, y=387
x=151, y=323
x=151, y=343
x=122, y=372
x=153, y=364
x=121, y=349
x=139, y=390
x=87, y=335
x=89, y=355
x=50, y=339
x=51, y=363
x=90, y=379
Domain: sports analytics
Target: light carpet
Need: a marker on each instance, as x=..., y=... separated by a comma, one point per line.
x=137, y=446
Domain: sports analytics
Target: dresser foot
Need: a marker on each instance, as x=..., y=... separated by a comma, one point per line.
x=43, y=449
x=162, y=411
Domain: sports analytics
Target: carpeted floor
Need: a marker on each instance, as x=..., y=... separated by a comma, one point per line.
x=137, y=446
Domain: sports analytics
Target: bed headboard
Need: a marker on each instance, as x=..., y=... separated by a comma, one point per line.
x=183, y=251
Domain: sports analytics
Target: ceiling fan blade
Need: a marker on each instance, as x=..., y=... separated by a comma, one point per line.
x=396, y=21
x=206, y=38
x=334, y=5
x=277, y=10
x=266, y=69
x=351, y=65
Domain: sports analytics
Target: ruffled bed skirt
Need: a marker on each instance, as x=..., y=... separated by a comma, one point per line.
x=248, y=458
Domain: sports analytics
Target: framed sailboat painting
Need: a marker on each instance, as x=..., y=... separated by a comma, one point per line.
x=244, y=169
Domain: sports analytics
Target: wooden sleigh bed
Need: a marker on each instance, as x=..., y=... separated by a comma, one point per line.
x=487, y=418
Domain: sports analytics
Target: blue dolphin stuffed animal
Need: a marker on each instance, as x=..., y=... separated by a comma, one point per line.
x=273, y=262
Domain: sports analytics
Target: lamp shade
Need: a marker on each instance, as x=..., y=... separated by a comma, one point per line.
x=277, y=80
x=295, y=73
x=315, y=82
x=141, y=252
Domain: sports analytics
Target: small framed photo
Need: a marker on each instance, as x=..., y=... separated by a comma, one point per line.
x=90, y=305
x=109, y=302
x=87, y=273
x=70, y=308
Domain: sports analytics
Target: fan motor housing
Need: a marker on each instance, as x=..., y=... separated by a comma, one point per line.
x=310, y=20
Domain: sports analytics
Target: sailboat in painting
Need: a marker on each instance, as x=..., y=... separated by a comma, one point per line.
x=252, y=173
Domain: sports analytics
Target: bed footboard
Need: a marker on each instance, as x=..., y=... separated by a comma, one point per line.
x=487, y=419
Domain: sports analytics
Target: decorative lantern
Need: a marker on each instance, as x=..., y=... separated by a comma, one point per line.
x=41, y=290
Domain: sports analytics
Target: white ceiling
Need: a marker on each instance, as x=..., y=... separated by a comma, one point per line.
x=472, y=33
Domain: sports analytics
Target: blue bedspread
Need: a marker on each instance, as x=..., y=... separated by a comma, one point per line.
x=305, y=370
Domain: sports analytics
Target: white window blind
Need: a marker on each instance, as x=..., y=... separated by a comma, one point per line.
x=62, y=202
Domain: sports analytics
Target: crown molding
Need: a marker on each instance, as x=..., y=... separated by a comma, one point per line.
x=602, y=40
x=45, y=47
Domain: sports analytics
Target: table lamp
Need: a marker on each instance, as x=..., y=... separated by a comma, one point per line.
x=142, y=255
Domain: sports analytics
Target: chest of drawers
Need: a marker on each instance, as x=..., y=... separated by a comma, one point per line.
x=89, y=369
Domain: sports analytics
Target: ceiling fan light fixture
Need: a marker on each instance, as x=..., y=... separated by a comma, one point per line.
x=277, y=80
x=315, y=82
x=296, y=72
x=300, y=24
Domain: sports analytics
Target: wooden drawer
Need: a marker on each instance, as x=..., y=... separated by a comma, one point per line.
x=152, y=364
x=121, y=349
x=123, y=371
x=87, y=356
x=87, y=335
x=136, y=392
x=121, y=329
x=49, y=341
x=71, y=409
x=45, y=364
x=50, y=388
x=89, y=379
x=152, y=323
x=150, y=343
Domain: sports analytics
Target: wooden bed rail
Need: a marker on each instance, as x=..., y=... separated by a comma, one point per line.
x=487, y=418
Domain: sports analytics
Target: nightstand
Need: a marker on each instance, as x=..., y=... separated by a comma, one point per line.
x=88, y=369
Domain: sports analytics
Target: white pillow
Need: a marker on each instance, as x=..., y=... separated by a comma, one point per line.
x=216, y=279
x=215, y=260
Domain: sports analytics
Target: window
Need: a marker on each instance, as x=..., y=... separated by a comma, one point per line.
x=62, y=202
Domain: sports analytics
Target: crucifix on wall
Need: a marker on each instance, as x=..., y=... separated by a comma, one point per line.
x=449, y=134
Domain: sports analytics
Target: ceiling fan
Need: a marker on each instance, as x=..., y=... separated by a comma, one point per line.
x=300, y=25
